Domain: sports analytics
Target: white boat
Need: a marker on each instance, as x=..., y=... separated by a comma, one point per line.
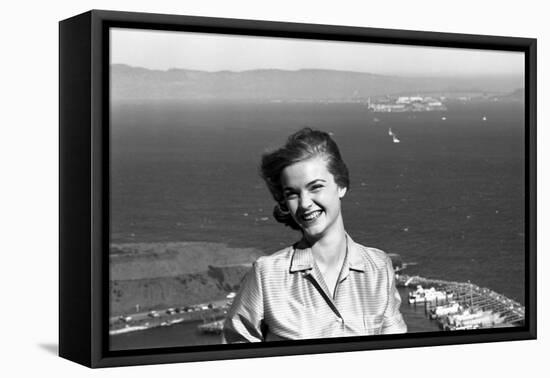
x=479, y=319
x=449, y=327
x=486, y=320
x=467, y=317
x=393, y=135
x=421, y=295
x=444, y=310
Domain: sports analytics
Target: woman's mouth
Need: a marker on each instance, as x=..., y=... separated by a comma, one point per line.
x=311, y=216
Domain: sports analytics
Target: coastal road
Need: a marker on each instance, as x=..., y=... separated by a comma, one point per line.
x=196, y=312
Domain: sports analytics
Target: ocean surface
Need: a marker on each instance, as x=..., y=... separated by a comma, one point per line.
x=450, y=197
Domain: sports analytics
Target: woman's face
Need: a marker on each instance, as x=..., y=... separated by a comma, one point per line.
x=312, y=196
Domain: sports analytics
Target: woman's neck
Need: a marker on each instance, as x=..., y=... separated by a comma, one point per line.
x=330, y=250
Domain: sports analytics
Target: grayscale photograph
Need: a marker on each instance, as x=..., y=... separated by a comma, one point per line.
x=266, y=189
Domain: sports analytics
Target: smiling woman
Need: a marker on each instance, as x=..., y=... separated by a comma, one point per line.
x=325, y=285
x=313, y=197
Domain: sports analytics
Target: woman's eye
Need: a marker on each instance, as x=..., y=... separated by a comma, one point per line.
x=290, y=195
x=316, y=187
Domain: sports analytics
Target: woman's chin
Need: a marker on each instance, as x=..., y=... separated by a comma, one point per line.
x=318, y=230
x=313, y=232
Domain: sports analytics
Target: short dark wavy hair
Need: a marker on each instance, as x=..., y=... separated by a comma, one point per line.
x=302, y=145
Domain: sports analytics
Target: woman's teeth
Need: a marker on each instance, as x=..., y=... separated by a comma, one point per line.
x=311, y=216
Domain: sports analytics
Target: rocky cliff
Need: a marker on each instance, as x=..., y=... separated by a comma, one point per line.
x=162, y=275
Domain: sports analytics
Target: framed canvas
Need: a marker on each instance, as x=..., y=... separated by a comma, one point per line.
x=172, y=246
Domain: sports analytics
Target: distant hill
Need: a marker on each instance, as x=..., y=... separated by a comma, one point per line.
x=134, y=261
x=162, y=275
x=135, y=83
x=158, y=293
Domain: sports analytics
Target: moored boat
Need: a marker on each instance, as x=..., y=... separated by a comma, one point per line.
x=421, y=295
x=444, y=310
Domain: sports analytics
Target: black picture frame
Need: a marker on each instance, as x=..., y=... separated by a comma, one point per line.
x=84, y=187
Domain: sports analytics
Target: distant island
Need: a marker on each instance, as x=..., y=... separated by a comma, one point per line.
x=407, y=104
x=283, y=86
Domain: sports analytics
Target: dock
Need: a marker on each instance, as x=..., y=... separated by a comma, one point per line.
x=479, y=307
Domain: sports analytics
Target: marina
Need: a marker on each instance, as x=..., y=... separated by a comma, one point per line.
x=462, y=305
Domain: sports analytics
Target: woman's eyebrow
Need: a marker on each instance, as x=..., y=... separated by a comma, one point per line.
x=314, y=182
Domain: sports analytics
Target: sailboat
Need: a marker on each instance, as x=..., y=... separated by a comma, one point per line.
x=393, y=135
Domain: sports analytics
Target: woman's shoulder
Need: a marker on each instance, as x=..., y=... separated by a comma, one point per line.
x=278, y=260
x=372, y=256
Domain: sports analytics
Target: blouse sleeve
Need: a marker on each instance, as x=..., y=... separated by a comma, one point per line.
x=245, y=317
x=393, y=320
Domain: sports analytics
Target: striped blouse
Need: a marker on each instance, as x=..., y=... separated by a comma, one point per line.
x=284, y=296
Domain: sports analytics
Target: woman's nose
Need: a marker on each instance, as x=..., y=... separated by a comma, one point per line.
x=305, y=201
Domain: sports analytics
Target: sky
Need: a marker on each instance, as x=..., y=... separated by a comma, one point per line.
x=164, y=50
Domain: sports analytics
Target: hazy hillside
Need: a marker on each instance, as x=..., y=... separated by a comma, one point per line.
x=175, y=291
x=132, y=261
x=134, y=83
x=161, y=275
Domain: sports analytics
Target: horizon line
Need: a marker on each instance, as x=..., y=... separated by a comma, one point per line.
x=404, y=75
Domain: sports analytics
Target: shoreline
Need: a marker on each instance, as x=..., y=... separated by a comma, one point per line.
x=513, y=310
x=141, y=321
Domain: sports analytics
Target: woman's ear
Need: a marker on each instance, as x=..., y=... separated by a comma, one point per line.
x=342, y=192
